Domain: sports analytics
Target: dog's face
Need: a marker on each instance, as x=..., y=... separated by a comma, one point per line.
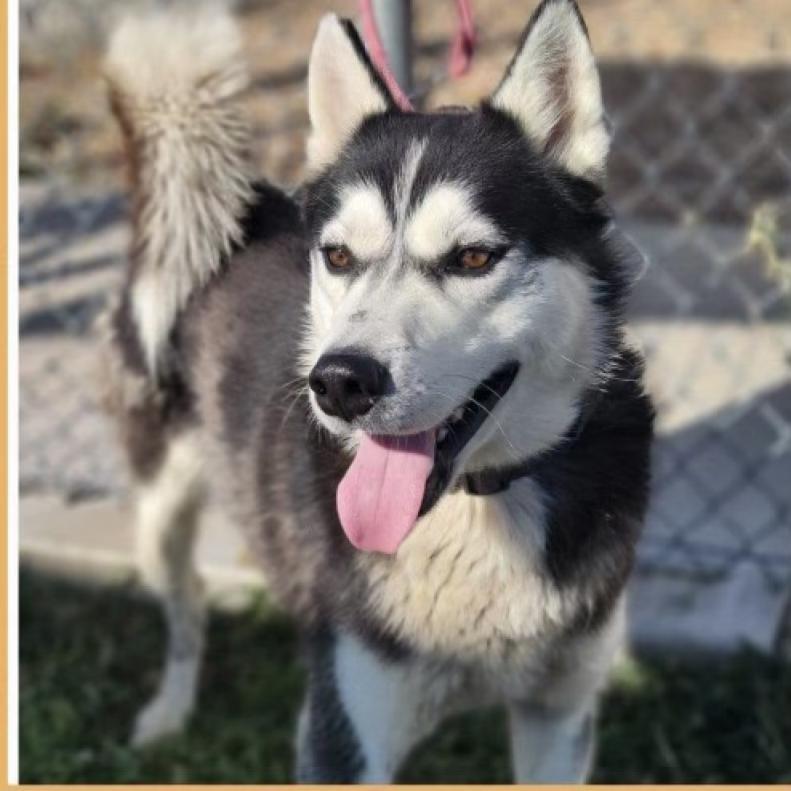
x=449, y=298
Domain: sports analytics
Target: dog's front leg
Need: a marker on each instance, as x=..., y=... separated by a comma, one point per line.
x=552, y=730
x=363, y=713
x=551, y=746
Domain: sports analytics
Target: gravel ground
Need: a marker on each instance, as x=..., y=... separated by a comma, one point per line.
x=700, y=90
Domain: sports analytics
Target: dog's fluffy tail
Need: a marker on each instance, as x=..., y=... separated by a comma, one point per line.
x=175, y=78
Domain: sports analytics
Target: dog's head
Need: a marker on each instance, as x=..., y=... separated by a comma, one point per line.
x=460, y=298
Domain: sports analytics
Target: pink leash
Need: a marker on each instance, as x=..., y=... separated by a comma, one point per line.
x=460, y=53
x=464, y=42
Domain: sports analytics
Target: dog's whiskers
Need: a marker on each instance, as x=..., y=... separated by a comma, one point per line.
x=517, y=455
x=497, y=395
x=294, y=401
x=290, y=382
x=600, y=374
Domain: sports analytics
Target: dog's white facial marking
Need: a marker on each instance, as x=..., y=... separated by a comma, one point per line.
x=365, y=226
x=440, y=333
x=406, y=180
x=439, y=340
x=553, y=90
x=446, y=218
x=362, y=224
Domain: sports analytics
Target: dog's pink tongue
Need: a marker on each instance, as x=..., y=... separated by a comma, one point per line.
x=379, y=497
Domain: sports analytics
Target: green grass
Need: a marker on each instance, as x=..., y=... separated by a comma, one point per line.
x=90, y=658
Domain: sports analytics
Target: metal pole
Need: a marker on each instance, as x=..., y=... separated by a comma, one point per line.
x=394, y=20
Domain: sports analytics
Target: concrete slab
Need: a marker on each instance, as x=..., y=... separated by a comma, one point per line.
x=672, y=611
x=94, y=541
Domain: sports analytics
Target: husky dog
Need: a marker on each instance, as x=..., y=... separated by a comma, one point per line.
x=408, y=384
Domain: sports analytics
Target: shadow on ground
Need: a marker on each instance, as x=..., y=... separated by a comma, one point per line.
x=89, y=658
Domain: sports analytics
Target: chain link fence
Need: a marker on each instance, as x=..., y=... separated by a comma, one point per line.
x=700, y=100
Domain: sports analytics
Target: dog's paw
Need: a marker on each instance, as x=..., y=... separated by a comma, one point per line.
x=158, y=719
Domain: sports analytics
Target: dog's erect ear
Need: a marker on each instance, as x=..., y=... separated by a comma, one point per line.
x=343, y=89
x=552, y=89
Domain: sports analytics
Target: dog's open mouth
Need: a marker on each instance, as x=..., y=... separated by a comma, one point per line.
x=393, y=480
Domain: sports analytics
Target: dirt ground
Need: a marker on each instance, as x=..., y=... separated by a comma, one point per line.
x=699, y=93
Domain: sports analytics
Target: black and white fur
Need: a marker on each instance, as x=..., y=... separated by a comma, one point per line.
x=516, y=596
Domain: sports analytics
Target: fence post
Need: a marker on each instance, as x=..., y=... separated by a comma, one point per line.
x=394, y=20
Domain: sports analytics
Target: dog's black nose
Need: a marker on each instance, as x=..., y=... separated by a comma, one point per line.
x=347, y=384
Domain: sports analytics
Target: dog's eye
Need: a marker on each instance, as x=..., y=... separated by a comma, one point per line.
x=338, y=257
x=473, y=258
x=472, y=261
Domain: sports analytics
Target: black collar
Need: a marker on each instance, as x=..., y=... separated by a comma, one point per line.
x=492, y=481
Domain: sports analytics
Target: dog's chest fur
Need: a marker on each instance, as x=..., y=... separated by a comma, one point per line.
x=470, y=579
